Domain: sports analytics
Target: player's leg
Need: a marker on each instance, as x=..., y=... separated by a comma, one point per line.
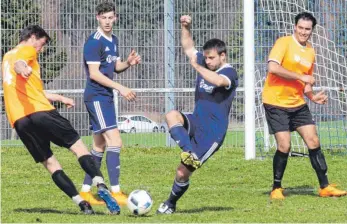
x=61, y=133
x=113, y=149
x=37, y=142
x=97, y=152
x=179, y=129
x=179, y=187
x=278, y=123
x=104, y=124
x=310, y=137
x=65, y=184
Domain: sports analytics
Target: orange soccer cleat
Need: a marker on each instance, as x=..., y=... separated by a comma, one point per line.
x=331, y=191
x=121, y=198
x=89, y=197
x=277, y=194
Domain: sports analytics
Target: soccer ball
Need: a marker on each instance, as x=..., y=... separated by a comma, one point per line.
x=139, y=202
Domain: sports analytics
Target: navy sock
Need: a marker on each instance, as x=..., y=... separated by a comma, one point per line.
x=178, y=189
x=279, y=165
x=97, y=156
x=64, y=183
x=319, y=165
x=181, y=137
x=113, y=164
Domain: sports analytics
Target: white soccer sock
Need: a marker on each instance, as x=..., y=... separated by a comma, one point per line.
x=98, y=180
x=86, y=188
x=77, y=199
x=115, y=188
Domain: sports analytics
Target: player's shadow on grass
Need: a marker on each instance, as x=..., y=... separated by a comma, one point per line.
x=299, y=190
x=204, y=209
x=53, y=211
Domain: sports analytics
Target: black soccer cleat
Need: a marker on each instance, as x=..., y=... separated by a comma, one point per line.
x=86, y=208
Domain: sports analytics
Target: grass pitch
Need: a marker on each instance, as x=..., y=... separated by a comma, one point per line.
x=226, y=189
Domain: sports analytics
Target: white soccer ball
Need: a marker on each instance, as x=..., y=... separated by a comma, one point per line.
x=139, y=202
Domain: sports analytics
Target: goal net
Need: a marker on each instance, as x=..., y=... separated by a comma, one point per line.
x=330, y=68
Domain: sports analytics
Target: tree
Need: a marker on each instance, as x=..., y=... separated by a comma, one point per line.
x=13, y=21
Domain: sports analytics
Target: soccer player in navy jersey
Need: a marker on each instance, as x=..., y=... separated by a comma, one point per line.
x=201, y=134
x=101, y=60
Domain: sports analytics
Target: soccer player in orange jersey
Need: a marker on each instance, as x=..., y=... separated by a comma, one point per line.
x=38, y=123
x=290, y=77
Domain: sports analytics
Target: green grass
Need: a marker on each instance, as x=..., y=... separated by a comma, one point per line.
x=226, y=189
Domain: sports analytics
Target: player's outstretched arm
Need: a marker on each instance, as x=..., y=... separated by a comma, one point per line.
x=56, y=97
x=186, y=37
x=133, y=59
x=275, y=68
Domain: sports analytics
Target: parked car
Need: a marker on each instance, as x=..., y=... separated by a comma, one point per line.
x=136, y=123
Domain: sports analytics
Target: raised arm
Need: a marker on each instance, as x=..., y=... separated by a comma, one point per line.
x=186, y=37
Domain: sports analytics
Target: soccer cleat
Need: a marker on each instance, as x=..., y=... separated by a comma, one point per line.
x=331, y=191
x=86, y=208
x=190, y=159
x=165, y=209
x=277, y=194
x=111, y=203
x=121, y=198
x=89, y=197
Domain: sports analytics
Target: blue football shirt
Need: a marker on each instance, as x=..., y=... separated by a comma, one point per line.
x=103, y=50
x=212, y=103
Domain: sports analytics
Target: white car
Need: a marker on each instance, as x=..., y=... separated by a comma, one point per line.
x=136, y=123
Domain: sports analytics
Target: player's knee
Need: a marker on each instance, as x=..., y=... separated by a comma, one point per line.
x=283, y=146
x=174, y=117
x=113, y=141
x=182, y=174
x=313, y=142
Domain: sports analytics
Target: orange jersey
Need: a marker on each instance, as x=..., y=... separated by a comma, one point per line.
x=23, y=96
x=296, y=58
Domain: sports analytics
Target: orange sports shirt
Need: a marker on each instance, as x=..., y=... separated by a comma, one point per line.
x=294, y=57
x=23, y=96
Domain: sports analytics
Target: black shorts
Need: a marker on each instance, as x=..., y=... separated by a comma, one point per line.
x=287, y=119
x=39, y=129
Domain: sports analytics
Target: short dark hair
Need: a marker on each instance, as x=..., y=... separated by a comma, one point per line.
x=105, y=7
x=306, y=16
x=35, y=30
x=216, y=44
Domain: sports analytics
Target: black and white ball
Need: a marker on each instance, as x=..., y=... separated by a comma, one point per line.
x=140, y=202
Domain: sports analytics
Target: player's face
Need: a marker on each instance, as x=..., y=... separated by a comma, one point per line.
x=303, y=31
x=213, y=60
x=106, y=21
x=38, y=44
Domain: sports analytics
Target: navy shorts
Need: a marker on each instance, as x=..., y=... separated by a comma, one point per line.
x=204, y=139
x=102, y=115
x=287, y=119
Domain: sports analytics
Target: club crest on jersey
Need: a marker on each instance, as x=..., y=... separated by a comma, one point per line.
x=111, y=58
x=207, y=88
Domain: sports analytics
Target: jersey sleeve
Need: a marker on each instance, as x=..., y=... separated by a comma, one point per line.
x=92, y=52
x=200, y=58
x=27, y=54
x=278, y=50
x=231, y=75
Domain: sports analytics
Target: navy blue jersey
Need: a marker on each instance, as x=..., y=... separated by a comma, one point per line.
x=212, y=103
x=100, y=49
